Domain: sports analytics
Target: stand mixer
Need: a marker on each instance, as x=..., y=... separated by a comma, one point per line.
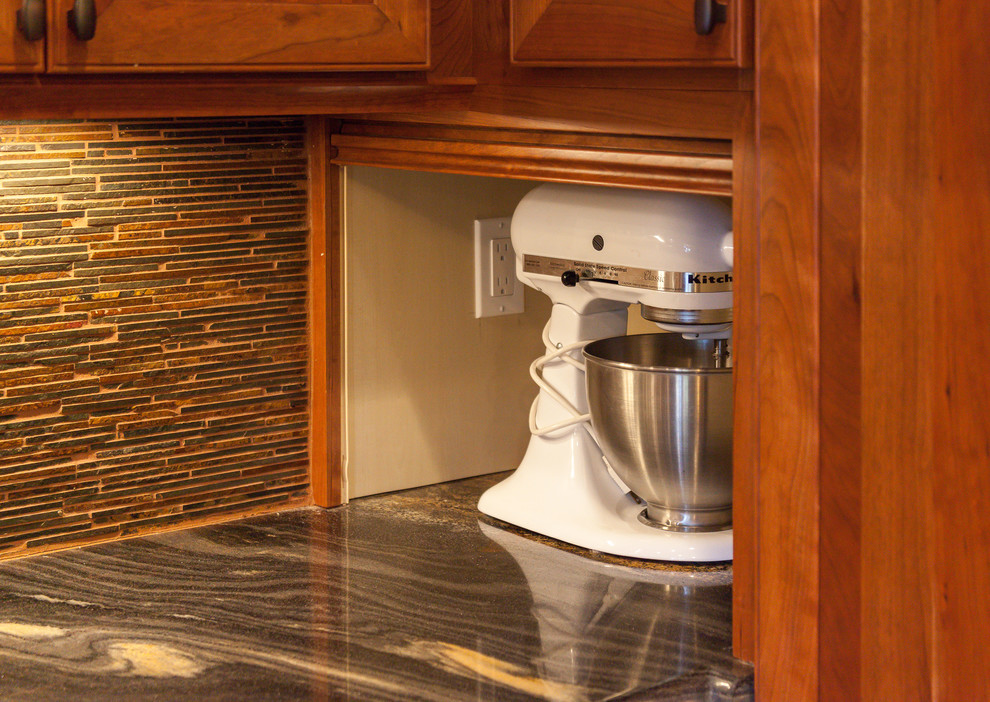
x=594, y=251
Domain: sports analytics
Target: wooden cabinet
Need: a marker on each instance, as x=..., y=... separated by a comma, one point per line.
x=16, y=52
x=234, y=35
x=624, y=32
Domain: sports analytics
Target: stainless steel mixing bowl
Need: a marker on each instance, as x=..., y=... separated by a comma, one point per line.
x=661, y=406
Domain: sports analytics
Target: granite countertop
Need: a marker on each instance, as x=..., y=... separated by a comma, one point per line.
x=404, y=596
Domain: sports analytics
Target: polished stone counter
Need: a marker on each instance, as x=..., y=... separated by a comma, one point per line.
x=404, y=596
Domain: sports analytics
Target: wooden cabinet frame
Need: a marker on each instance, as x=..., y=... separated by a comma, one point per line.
x=326, y=321
x=873, y=200
x=861, y=459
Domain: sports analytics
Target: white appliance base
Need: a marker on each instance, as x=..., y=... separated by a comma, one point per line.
x=577, y=502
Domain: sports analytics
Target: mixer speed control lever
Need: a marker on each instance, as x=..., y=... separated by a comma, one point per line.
x=570, y=278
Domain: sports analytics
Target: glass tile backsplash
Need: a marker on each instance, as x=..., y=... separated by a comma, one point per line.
x=152, y=325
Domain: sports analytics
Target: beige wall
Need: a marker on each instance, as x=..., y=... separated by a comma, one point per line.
x=432, y=394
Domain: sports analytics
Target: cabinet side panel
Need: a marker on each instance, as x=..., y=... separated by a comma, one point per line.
x=961, y=337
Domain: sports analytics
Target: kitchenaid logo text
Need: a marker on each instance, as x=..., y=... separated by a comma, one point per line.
x=672, y=281
x=705, y=279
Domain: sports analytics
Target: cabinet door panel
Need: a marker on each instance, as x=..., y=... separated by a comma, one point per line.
x=618, y=32
x=16, y=53
x=163, y=35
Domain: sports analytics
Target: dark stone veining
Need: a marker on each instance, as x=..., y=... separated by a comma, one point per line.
x=405, y=596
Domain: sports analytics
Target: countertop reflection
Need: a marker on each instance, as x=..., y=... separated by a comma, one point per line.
x=402, y=596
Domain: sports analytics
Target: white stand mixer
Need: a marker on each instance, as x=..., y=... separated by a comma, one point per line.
x=594, y=251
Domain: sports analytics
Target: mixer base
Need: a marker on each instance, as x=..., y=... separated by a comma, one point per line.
x=563, y=490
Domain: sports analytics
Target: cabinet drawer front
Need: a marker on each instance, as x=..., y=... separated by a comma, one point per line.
x=619, y=32
x=16, y=52
x=211, y=35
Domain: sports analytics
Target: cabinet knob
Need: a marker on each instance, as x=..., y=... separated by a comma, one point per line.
x=31, y=19
x=708, y=13
x=82, y=19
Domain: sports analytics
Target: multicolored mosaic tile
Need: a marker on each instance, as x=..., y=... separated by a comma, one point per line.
x=153, y=365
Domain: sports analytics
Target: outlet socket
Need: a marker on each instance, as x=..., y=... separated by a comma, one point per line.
x=496, y=289
x=503, y=268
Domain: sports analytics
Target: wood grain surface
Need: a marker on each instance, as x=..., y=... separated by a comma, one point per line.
x=17, y=53
x=147, y=35
x=787, y=124
x=702, y=166
x=897, y=313
x=746, y=388
x=926, y=528
x=694, y=114
x=451, y=45
x=324, y=313
x=900, y=194
x=617, y=32
x=61, y=97
x=897, y=446
x=492, y=65
x=336, y=492
x=841, y=341
x=590, y=112
x=961, y=341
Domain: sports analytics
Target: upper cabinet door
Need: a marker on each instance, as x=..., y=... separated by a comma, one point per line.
x=238, y=35
x=623, y=33
x=17, y=53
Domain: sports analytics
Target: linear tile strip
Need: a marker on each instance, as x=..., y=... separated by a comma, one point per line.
x=152, y=325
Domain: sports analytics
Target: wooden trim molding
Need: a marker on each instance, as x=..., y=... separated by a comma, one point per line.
x=746, y=415
x=336, y=480
x=326, y=473
x=701, y=166
x=692, y=114
x=116, y=97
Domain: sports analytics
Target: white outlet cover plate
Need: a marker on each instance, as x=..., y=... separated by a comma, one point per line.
x=486, y=230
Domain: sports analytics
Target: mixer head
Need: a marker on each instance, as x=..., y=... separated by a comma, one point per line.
x=590, y=247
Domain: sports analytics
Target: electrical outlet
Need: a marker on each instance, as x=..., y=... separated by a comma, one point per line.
x=496, y=290
x=503, y=268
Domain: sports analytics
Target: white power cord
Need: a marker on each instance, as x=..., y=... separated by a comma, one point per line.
x=536, y=373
